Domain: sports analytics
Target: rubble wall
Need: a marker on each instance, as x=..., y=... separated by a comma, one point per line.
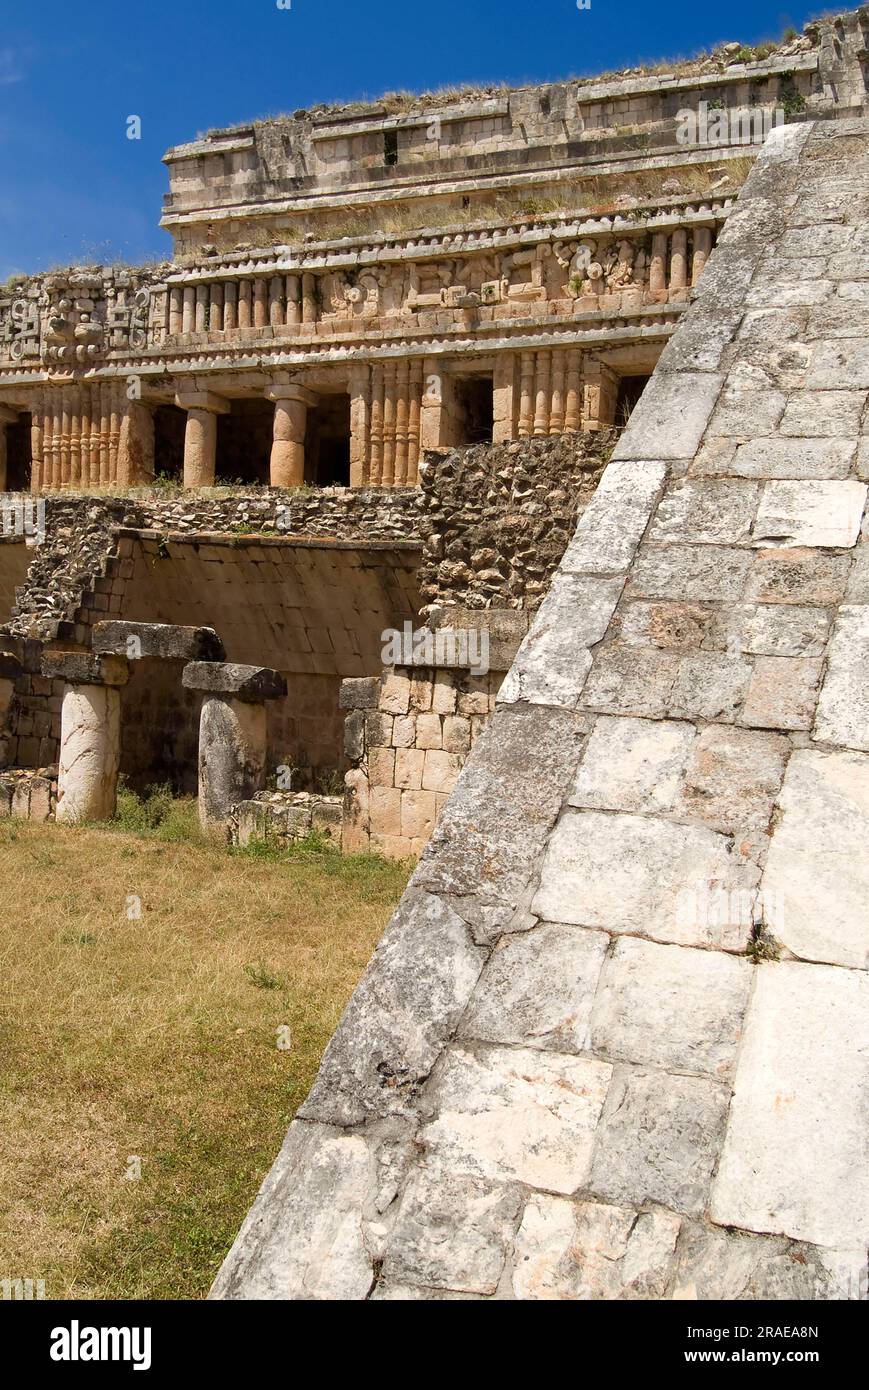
x=613, y=1043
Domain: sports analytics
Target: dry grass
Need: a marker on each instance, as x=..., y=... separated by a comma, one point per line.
x=157, y=1038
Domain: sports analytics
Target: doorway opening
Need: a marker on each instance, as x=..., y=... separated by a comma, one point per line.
x=327, y=442
x=244, y=442
x=630, y=390
x=19, y=456
x=169, y=424
x=474, y=398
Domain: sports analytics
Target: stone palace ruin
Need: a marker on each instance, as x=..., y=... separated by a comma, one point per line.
x=581, y=370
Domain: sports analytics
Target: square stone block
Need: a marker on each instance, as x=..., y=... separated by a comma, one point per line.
x=658, y=1139
x=817, y=872
x=705, y=511
x=516, y=1114
x=783, y=693
x=709, y=685
x=795, y=1160
x=690, y=572
x=674, y=413
x=810, y=513
x=590, y=1250
x=631, y=680
x=537, y=988
x=734, y=777
x=798, y=576
x=452, y=1232
x=830, y=413
x=632, y=765
x=672, y=1007
x=636, y=874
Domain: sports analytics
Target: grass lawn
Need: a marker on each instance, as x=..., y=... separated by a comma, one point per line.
x=155, y=1037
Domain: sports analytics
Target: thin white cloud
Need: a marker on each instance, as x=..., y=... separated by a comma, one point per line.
x=10, y=67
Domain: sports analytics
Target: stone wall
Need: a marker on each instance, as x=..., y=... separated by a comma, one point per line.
x=497, y=518
x=613, y=1043
x=15, y=558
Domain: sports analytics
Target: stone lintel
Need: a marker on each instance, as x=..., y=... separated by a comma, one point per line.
x=85, y=668
x=8, y=415
x=170, y=641
x=251, y=683
x=202, y=400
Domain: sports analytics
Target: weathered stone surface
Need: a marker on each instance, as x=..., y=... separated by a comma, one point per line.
x=253, y=683
x=716, y=1264
x=452, y=1232
x=841, y=363
x=167, y=640
x=689, y=572
x=589, y=1250
x=90, y=753
x=633, y=765
x=304, y=1236
x=515, y=1114
x=629, y=873
x=714, y=511
x=492, y=829
x=810, y=513
x=613, y=523
x=405, y=1007
x=553, y=661
x=625, y=679
x=783, y=693
x=537, y=988
x=679, y=626
x=776, y=629
x=795, y=1157
x=10, y=667
x=671, y=1007
x=676, y=409
x=232, y=757
x=834, y=414
x=792, y=458
x=734, y=777
x=801, y=576
x=817, y=866
x=658, y=1139
x=81, y=668
x=709, y=686
x=843, y=704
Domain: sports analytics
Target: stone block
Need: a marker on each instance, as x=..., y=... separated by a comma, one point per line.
x=408, y=768
x=632, y=765
x=658, y=1139
x=362, y=693
x=441, y=770
x=428, y=731
x=798, y=576
x=444, y=694
x=817, y=871
x=709, y=685
x=553, y=661
x=166, y=640
x=406, y=1006
x=249, y=683
x=674, y=413
x=671, y=1007
x=706, y=511
x=381, y=767
x=810, y=513
x=733, y=778
x=385, y=810
x=783, y=693
x=690, y=572
x=795, y=1158
x=515, y=1114
x=82, y=668
x=537, y=989
x=842, y=363
x=634, y=874
x=418, y=812
x=395, y=693
x=843, y=704
x=793, y=459
x=776, y=630
x=678, y=626
x=452, y=1232
x=834, y=414
x=10, y=667
x=404, y=731
x=747, y=411
x=613, y=523
x=591, y=1250
x=726, y=1265
x=631, y=680
x=456, y=734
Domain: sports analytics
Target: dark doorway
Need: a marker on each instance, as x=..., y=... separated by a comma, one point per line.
x=327, y=442
x=169, y=424
x=475, y=409
x=630, y=390
x=244, y=442
x=19, y=456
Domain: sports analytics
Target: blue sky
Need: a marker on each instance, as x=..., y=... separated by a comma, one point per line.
x=73, y=187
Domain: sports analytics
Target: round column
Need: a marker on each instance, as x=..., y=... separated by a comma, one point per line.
x=90, y=744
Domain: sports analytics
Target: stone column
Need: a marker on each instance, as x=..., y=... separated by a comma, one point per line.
x=90, y=733
x=176, y=309
x=503, y=397
x=413, y=421
x=526, y=394
x=702, y=248
x=359, y=387
x=658, y=267
x=542, y=398
x=232, y=733
x=556, y=413
x=679, y=260
x=200, y=435
x=7, y=417
x=287, y=463
x=136, y=445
